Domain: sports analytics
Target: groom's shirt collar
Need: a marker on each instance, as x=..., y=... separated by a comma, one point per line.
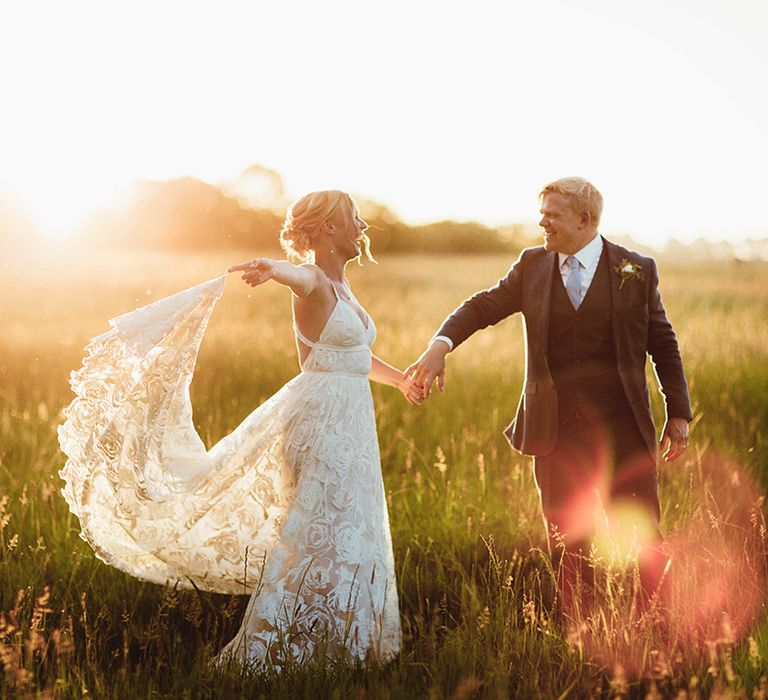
x=587, y=256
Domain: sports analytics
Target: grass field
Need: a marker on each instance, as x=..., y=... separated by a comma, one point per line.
x=466, y=529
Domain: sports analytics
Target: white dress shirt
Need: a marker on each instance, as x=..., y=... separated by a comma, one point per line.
x=588, y=258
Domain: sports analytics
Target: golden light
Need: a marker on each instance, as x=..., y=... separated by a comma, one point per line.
x=106, y=94
x=59, y=206
x=712, y=574
x=625, y=531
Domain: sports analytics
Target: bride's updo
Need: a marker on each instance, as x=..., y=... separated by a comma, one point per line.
x=305, y=217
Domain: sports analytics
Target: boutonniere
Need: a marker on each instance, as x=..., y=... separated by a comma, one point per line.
x=629, y=271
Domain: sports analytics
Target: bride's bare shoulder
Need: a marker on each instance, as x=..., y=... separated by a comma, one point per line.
x=318, y=287
x=317, y=275
x=311, y=268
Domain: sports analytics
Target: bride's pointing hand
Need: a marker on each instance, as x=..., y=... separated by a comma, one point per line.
x=256, y=271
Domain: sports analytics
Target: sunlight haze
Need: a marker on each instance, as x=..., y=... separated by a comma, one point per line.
x=434, y=109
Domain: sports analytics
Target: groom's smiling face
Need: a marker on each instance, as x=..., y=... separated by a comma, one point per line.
x=565, y=231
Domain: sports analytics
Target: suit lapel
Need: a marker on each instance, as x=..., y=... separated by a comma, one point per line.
x=619, y=302
x=541, y=287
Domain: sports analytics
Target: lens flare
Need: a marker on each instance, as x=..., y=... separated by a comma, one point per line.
x=710, y=575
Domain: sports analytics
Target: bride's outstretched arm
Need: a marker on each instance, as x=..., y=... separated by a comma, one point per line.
x=384, y=373
x=302, y=280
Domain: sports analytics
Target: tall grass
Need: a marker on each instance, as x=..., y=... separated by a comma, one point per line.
x=474, y=584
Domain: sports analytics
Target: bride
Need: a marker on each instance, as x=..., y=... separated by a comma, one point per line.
x=290, y=506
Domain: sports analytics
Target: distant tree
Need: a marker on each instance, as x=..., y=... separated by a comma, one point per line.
x=384, y=226
x=451, y=237
x=184, y=214
x=189, y=214
x=520, y=236
x=259, y=187
x=389, y=234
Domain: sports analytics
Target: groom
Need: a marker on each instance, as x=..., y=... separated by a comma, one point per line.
x=592, y=312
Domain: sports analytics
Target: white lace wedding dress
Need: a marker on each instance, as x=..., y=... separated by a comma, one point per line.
x=289, y=507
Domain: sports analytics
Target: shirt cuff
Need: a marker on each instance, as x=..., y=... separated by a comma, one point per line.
x=445, y=339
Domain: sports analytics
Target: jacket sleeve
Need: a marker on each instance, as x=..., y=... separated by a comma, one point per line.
x=486, y=308
x=665, y=354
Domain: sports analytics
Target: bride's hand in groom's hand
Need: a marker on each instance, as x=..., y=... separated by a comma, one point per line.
x=413, y=393
x=429, y=367
x=674, y=439
x=255, y=272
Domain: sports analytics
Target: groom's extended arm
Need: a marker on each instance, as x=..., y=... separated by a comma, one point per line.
x=481, y=310
x=665, y=354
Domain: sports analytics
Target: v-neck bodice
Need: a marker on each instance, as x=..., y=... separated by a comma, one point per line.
x=344, y=344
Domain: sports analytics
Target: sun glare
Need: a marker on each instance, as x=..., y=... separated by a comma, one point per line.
x=56, y=213
x=100, y=94
x=59, y=207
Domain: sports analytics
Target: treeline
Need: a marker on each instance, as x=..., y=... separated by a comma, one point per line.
x=184, y=214
x=189, y=214
x=247, y=214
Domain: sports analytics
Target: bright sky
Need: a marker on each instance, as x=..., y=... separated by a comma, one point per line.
x=438, y=109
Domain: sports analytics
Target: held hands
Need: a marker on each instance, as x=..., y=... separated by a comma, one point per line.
x=256, y=271
x=430, y=366
x=674, y=439
x=414, y=393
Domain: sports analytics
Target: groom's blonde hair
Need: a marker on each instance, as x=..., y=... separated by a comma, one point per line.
x=582, y=194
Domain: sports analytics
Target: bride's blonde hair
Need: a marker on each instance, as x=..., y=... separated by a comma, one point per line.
x=305, y=217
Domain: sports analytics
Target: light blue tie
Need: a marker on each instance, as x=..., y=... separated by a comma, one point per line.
x=573, y=284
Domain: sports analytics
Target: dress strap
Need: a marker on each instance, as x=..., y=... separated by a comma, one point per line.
x=309, y=343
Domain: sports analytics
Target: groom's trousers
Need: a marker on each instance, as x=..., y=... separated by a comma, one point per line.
x=600, y=476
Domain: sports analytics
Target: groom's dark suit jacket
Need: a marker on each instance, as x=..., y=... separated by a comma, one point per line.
x=639, y=326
